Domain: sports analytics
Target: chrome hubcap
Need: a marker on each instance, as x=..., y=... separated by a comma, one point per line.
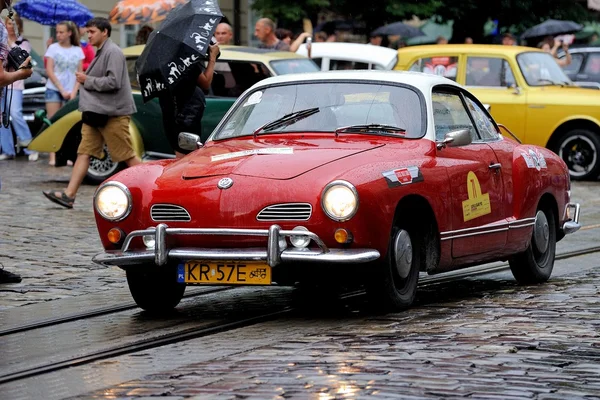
x=541, y=232
x=403, y=253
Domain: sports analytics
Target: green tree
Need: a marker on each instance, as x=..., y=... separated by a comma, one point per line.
x=372, y=13
x=469, y=16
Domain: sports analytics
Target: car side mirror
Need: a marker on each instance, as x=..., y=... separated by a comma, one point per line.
x=189, y=141
x=461, y=137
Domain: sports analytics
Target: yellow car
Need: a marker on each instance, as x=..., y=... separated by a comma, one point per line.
x=237, y=69
x=527, y=92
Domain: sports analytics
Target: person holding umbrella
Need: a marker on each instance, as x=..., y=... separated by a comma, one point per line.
x=183, y=107
x=106, y=103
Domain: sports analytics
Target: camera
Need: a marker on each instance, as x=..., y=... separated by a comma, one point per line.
x=16, y=57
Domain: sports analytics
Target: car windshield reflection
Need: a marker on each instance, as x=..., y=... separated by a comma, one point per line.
x=339, y=104
x=540, y=69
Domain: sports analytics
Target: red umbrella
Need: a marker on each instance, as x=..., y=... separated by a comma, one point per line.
x=132, y=12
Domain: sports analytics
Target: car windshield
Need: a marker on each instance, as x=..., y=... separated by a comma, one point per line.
x=540, y=69
x=338, y=104
x=294, y=66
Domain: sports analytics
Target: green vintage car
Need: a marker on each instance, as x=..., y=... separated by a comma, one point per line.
x=237, y=69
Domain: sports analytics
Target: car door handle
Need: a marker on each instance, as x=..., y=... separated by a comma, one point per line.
x=495, y=166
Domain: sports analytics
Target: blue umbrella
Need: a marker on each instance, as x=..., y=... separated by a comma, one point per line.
x=51, y=12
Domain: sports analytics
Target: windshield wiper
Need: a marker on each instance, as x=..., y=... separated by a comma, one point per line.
x=551, y=81
x=370, y=128
x=286, y=120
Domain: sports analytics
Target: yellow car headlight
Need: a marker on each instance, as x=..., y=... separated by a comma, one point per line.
x=339, y=200
x=113, y=201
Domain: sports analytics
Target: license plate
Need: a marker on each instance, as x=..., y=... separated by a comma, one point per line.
x=224, y=273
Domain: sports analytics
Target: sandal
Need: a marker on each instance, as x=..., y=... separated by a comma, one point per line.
x=61, y=199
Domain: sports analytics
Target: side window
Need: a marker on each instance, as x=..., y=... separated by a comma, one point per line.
x=318, y=61
x=592, y=66
x=449, y=114
x=446, y=66
x=343, y=64
x=487, y=71
x=484, y=124
x=576, y=60
x=232, y=78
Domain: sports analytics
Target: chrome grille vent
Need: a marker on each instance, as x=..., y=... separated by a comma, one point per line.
x=169, y=212
x=285, y=212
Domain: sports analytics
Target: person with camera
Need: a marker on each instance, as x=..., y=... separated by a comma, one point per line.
x=8, y=76
x=106, y=106
x=14, y=94
x=64, y=58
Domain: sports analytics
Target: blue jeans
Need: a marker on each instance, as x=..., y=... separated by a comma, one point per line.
x=20, y=126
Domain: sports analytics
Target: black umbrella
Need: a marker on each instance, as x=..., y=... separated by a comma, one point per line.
x=398, y=28
x=182, y=40
x=552, y=27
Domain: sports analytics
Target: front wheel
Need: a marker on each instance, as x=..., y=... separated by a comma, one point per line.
x=535, y=264
x=394, y=282
x=580, y=149
x=155, y=289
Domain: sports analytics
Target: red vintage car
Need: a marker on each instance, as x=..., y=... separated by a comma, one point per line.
x=315, y=178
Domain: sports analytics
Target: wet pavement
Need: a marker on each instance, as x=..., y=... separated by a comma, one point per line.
x=483, y=337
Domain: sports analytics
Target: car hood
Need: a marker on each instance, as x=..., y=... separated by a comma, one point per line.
x=271, y=159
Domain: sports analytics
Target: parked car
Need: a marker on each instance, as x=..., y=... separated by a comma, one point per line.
x=360, y=177
x=338, y=55
x=237, y=68
x=527, y=91
x=585, y=64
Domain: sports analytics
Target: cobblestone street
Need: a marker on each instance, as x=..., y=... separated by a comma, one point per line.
x=49, y=246
x=479, y=338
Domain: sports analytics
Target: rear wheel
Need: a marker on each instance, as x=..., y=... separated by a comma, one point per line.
x=155, y=289
x=580, y=150
x=535, y=264
x=394, y=284
x=101, y=169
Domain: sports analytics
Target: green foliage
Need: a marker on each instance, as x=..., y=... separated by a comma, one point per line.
x=469, y=16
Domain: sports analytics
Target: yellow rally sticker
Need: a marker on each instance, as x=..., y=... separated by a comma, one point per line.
x=478, y=204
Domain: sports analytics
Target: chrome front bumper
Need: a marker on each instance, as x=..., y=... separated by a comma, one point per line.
x=572, y=214
x=273, y=255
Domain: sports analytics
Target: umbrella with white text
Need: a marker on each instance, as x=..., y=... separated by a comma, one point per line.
x=182, y=40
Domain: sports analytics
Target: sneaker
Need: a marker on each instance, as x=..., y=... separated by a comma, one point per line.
x=34, y=156
x=8, y=277
x=6, y=157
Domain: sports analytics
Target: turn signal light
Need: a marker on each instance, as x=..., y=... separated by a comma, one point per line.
x=115, y=235
x=342, y=236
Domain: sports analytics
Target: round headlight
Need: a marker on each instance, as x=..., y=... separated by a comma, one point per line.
x=340, y=200
x=113, y=201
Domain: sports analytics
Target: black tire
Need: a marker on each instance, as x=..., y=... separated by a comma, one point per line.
x=391, y=287
x=580, y=150
x=535, y=264
x=155, y=289
x=102, y=169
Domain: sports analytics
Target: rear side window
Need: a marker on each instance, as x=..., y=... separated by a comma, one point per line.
x=592, y=66
x=489, y=71
x=446, y=66
x=576, y=61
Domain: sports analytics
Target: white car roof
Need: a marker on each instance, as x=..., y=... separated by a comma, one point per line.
x=365, y=53
x=423, y=82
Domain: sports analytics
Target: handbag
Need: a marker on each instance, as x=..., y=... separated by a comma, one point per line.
x=93, y=119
